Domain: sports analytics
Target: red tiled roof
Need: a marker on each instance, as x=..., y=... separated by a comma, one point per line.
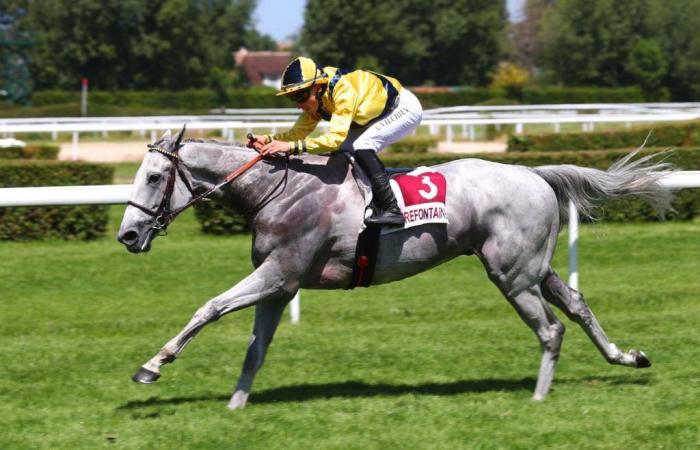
x=259, y=64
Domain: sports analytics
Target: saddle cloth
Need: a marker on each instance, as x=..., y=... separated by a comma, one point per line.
x=421, y=195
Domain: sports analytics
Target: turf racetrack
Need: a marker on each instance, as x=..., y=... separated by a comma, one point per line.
x=437, y=361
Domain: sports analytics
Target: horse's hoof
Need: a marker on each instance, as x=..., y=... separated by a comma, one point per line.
x=238, y=401
x=641, y=359
x=145, y=376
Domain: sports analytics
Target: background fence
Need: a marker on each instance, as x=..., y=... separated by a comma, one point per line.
x=462, y=120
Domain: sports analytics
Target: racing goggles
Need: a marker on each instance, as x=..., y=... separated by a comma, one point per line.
x=300, y=96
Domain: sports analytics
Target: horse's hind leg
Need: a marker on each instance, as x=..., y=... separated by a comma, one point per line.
x=548, y=329
x=573, y=304
x=267, y=317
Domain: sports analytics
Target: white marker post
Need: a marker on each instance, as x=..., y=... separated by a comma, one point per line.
x=295, y=309
x=573, y=246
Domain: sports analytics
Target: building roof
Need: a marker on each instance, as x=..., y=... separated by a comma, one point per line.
x=257, y=65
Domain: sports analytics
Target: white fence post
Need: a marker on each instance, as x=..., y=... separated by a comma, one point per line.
x=573, y=246
x=74, y=154
x=295, y=308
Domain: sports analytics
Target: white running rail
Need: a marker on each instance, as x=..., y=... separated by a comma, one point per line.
x=240, y=121
x=119, y=194
x=112, y=194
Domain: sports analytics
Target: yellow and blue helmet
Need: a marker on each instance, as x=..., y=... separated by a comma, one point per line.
x=300, y=74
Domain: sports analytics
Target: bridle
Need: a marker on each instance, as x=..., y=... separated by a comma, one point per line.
x=163, y=215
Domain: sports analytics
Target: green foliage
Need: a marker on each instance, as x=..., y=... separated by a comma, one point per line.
x=681, y=135
x=15, y=78
x=459, y=97
x=61, y=222
x=138, y=44
x=31, y=151
x=366, y=369
x=215, y=219
x=610, y=43
x=648, y=66
x=444, y=42
x=414, y=144
x=675, y=27
x=590, y=41
x=536, y=95
x=512, y=78
x=544, y=95
x=62, y=103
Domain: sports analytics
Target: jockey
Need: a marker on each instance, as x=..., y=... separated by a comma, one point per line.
x=367, y=112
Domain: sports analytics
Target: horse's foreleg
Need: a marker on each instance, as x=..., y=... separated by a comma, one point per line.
x=573, y=304
x=267, y=317
x=262, y=285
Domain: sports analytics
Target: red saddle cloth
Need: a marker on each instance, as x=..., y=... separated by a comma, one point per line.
x=421, y=196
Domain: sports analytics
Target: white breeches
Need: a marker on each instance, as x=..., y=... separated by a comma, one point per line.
x=402, y=121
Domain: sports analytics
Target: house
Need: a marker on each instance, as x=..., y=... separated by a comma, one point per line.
x=263, y=68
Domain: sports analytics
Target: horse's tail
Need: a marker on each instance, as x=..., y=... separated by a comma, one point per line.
x=585, y=186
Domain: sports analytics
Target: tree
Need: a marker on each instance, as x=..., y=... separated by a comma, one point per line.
x=650, y=43
x=137, y=44
x=445, y=42
x=676, y=24
x=647, y=65
x=522, y=38
x=15, y=78
x=589, y=42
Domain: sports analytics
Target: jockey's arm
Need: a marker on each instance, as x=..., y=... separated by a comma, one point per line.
x=345, y=102
x=284, y=141
x=296, y=141
x=304, y=125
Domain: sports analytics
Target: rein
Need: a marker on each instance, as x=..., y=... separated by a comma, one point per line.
x=163, y=215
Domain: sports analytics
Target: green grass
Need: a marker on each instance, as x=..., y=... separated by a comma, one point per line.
x=437, y=361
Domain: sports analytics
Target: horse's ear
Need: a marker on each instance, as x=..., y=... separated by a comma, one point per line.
x=178, y=139
x=166, y=136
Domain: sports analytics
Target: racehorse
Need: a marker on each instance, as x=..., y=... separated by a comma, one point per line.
x=306, y=213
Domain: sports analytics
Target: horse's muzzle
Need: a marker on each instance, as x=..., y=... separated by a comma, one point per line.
x=134, y=242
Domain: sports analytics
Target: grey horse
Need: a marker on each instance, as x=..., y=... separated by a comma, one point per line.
x=306, y=213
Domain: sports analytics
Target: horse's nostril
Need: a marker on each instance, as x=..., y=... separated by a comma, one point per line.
x=128, y=238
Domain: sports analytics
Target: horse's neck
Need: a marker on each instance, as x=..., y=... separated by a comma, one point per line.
x=209, y=163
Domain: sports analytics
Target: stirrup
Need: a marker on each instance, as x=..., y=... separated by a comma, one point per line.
x=389, y=217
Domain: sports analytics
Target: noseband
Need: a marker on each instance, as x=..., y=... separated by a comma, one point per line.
x=163, y=215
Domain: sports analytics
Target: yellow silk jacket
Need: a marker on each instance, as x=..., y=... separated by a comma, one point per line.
x=351, y=100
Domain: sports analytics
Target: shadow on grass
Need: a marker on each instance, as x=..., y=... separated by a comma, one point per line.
x=358, y=389
x=349, y=389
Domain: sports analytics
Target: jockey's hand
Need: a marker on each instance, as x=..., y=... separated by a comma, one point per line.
x=257, y=142
x=276, y=147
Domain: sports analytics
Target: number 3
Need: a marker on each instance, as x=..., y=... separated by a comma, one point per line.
x=433, y=190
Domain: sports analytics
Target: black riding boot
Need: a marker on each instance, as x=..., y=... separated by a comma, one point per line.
x=389, y=212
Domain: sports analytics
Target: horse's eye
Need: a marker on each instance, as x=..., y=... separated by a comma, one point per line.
x=153, y=178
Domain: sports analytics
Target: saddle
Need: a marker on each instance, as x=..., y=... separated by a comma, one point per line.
x=421, y=196
x=368, y=239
